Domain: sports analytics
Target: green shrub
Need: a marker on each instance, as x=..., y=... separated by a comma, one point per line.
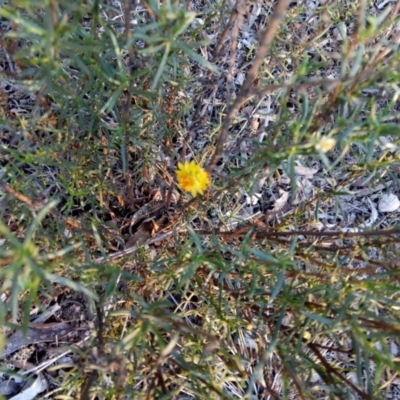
x=282, y=280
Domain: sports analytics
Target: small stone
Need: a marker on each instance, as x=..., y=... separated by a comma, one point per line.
x=388, y=203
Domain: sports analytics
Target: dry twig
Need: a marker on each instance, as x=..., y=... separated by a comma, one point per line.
x=265, y=43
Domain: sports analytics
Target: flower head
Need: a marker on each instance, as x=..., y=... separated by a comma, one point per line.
x=192, y=178
x=326, y=144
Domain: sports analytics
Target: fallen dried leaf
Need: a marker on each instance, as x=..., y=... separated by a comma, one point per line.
x=39, y=333
x=30, y=393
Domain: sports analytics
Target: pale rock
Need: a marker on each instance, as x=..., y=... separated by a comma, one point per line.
x=388, y=203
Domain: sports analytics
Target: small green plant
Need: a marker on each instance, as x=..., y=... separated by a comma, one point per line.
x=278, y=280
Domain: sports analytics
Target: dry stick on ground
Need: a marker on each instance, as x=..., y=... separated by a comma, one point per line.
x=240, y=11
x=245, y=89
x=333, y=371
x=225, y=33
x=35, y=205
x=259, y=234
x=30, y=203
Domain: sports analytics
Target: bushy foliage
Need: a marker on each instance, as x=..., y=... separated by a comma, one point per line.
x=279, y=278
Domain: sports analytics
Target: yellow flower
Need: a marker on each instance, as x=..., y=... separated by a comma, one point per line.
x=326, y=144
x=192, y=178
